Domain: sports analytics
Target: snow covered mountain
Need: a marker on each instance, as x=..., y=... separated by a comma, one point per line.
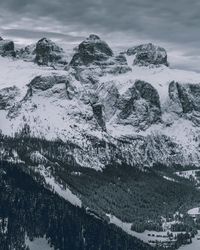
x=98, y=127
x=127, y=108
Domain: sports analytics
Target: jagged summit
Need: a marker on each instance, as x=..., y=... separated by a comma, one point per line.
x=7, y=48
x=91, y=51
x=47, y=52
x=148, y=54
x=44, y=53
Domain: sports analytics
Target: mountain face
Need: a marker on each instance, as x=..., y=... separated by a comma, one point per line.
x=148, y=54
x=185, y=98
x=103, y=125
x=139, y=113
x=91, y=51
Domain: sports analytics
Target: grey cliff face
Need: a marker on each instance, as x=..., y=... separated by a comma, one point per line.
x=109, y=97
x=148, y=54
x=98, y=111
x=91, y=51
x=139, y=106
x=187, y=99
x=48, y=53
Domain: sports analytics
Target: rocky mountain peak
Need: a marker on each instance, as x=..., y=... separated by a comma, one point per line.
x=48, y=44
x=7, y=47
x=148, y=54
x=91, y=51
x=48, y=53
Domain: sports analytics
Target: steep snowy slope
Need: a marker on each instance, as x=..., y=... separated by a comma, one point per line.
x=127, y=113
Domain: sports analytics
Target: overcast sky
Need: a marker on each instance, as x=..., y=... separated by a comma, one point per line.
x=174, y=24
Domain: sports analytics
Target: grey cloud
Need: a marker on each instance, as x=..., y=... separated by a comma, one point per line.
x=35, y=34
x=169, y=20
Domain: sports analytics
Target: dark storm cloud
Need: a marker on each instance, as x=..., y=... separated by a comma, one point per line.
x=167, y=21
x=176, y=20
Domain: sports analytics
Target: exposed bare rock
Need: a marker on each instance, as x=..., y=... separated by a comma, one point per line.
x=139, y=106
x=7, y=96
x=148, y=54
x=48, y=53
x=91, y=51
x=95, y=53
x=186, y=97
x=7, y=48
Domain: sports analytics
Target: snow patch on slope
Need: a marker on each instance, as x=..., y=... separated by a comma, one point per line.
x=38, y=244
x=64, y=192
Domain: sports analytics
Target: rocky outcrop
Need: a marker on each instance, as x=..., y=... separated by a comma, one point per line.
x=186, y=99
x=148, y=54
x=139, y=106
x=45, y=53
x=27, y=53
x=109, y=96
x=60, y=85
x=7, y=97
x=98, y=111
x=48, y=53
x=46, y=82
x=7, y=48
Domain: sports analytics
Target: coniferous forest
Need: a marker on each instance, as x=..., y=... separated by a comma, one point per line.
x=29, y=210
